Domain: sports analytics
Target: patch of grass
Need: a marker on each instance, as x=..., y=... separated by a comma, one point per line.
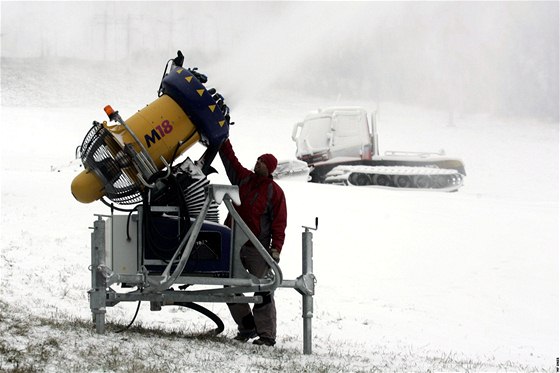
x=12, y=359
x=61, y=343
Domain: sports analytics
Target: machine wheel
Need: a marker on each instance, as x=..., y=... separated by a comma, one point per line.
x=313, y=178
x=442, y=181
x=382, y=180
x=360, y=179
x=402, y=181
x=423, y=182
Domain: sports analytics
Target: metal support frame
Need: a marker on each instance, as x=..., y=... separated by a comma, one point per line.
x=156, y=288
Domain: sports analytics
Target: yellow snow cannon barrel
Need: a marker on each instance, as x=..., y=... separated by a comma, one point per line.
x=119, y=160
x=163, y=128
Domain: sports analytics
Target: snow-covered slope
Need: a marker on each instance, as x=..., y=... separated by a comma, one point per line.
x=472, y=273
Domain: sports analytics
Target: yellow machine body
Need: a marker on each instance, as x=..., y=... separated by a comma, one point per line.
x=160, y=127
x=163, y=129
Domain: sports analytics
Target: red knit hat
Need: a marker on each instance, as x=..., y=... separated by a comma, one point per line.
x=270, y=162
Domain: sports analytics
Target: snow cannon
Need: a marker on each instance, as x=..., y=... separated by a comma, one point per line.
x=124, y=157
x=171, y=243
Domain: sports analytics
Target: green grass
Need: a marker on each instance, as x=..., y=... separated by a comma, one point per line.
x=35, y=344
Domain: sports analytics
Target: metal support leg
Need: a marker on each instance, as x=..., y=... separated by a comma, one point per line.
x=98, y=291
x=309, y=282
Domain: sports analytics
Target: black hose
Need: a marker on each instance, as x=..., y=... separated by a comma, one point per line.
x=193, y=306
x=206, y=312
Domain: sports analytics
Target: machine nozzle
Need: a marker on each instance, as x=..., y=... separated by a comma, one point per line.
x=86, y=187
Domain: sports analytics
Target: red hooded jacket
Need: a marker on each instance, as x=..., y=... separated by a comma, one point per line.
x=263, y=204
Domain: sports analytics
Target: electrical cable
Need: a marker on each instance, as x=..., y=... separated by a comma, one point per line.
x=133, y=319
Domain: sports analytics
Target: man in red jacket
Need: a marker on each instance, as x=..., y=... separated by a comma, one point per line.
x=263, y=209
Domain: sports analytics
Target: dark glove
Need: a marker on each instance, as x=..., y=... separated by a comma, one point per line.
x=275, y=254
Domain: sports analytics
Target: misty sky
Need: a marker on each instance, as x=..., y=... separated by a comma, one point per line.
x=496, y=57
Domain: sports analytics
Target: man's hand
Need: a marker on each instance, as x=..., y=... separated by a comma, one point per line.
x=275, y=254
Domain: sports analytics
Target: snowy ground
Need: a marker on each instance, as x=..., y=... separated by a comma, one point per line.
x=403, y=277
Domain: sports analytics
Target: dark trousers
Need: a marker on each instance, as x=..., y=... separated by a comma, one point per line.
x=263, y=315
